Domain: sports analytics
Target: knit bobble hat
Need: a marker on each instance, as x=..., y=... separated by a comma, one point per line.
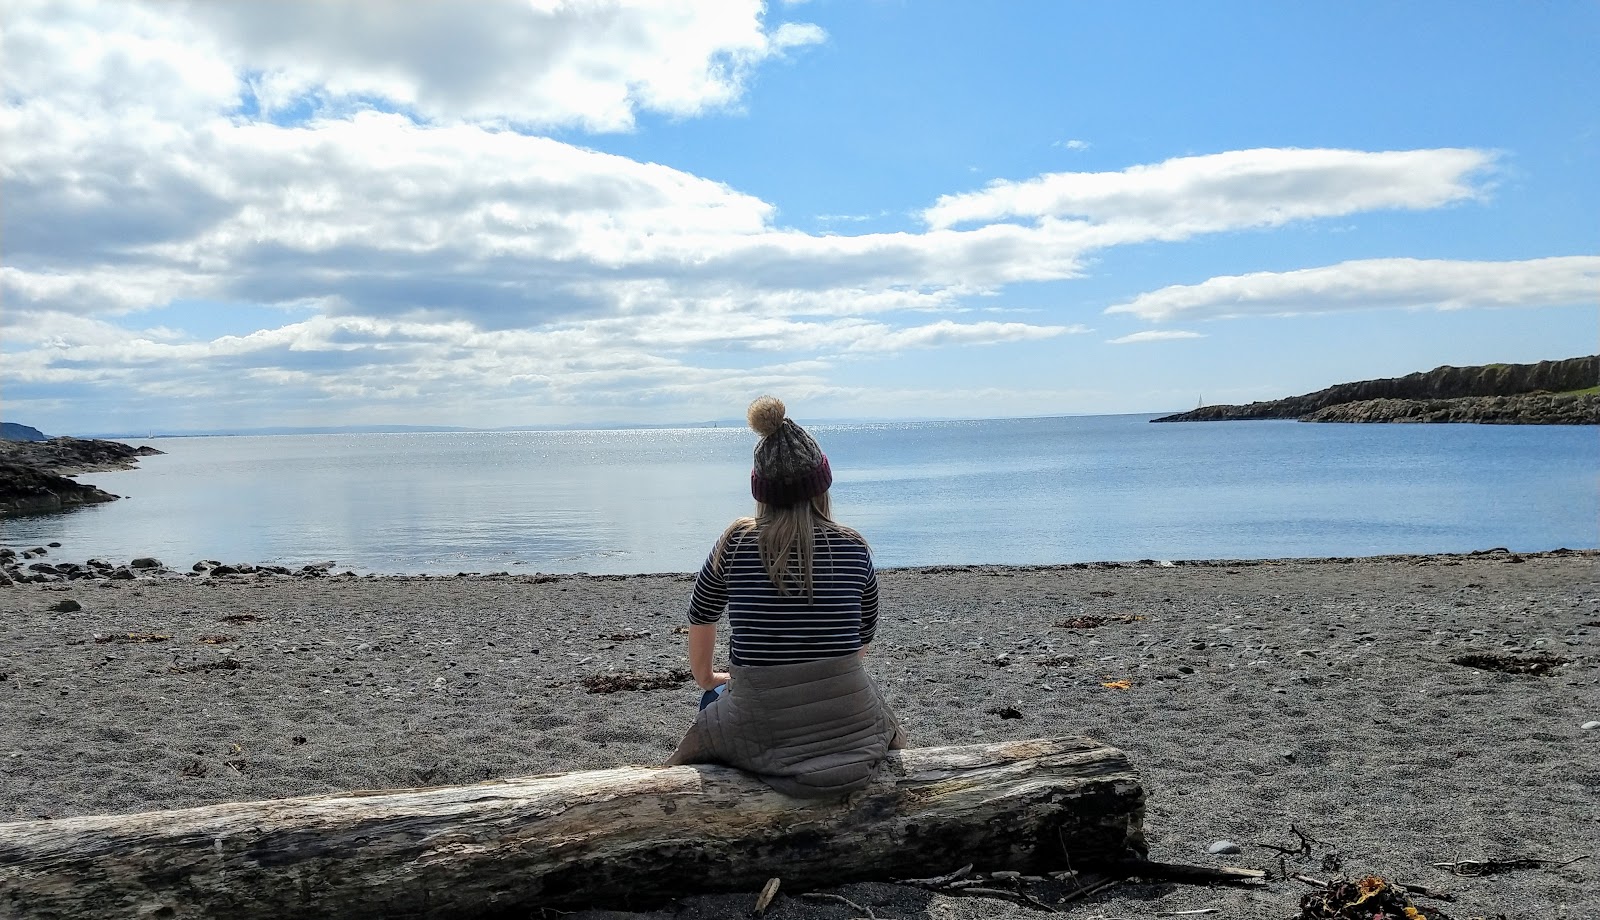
x=789, y=466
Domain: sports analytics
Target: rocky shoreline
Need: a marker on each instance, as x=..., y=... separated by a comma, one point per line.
x=1547, y=393
x=28, y=566
x=1527, y=409
x=35, y=476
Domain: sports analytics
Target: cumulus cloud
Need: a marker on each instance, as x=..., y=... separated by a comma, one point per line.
x=1155, y=335
x=591, y=63
x=1242, y=188
x=1368, y=284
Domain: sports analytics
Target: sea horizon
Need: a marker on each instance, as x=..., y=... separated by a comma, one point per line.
x=730, y=422
x=1029, y=491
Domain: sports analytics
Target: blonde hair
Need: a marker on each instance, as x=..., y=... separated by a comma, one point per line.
x=786, y=536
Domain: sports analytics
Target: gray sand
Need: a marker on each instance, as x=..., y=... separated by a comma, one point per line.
x=1263, y=694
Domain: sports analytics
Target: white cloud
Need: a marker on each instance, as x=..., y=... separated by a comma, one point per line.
x=1243, y=188
x=1073, y=144
x=592, y=63
x=1370, y=284
x=1155, y=335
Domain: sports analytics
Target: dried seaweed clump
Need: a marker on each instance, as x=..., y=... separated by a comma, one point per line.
x=1367, y=898
x=619, y=681
x=1540, y=665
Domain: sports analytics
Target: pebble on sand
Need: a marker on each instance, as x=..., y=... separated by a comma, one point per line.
x=1590, y=726
x=1222, y=847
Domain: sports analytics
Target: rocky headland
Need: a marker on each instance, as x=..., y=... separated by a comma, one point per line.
x=35, y=476
x=1563, y=392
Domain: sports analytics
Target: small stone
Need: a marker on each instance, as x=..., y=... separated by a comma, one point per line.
x=66, y=606
x=1185, y=669
x=1590, y=726
x=1287, y=755
x=1224, y=847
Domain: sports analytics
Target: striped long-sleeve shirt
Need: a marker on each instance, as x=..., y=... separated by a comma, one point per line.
x=772, y=628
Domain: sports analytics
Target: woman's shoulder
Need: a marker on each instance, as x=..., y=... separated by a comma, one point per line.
x=737, y=532
x=840, y=535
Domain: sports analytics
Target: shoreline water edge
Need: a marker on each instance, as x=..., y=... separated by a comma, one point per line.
x=1402, y=712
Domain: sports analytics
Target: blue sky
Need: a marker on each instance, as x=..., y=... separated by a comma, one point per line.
x=525, y=213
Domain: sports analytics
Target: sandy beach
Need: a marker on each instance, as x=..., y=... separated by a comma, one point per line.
x=1259, y=695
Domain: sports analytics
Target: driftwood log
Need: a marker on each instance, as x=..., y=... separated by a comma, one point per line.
x=626, y=837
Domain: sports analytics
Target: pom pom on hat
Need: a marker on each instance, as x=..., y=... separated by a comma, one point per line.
x=789, y=466
x=766, y=415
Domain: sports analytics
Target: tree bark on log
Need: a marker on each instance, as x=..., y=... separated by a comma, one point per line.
x=625, y=837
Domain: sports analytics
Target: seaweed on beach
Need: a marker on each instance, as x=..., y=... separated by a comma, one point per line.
x=1540, y=665
x=239, y=618
x=221, y=664
x=620, y=681
x=139, y=638
x=1367, y=898
x=1090, y=621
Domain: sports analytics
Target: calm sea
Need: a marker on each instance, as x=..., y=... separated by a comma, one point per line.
x=1022, y=491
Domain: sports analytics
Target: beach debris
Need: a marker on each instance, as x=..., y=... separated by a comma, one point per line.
x=861, y=910
x=1540, y=665
x=298, y=739
x=1370, y=897
x=1005, y=712
x=623, y=636
x=620, y=681
x=195, y=768
x=1302, y=848
x=1224, y=847
x=1090, y=620
x=1056, y=661
x=1103, y=593
x=238, y=618
x=1476, y=867
x=768, y=892
x=222, y=664
x=130, y=637
x=66, y=606
x=213, y=640
x=938, y=881
x=1123, y=684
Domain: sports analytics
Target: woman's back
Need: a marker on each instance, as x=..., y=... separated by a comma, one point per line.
x=836, y=617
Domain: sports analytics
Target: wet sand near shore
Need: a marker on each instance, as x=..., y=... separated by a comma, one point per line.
x=1251, y=695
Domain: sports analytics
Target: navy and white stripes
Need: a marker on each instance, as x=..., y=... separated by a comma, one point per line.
x=773, y=628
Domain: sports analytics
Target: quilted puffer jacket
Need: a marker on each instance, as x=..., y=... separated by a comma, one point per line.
x=816, y=729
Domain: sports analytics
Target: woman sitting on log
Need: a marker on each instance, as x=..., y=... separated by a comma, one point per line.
x=797, y=709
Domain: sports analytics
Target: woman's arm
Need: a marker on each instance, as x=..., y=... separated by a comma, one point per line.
x=702, y=646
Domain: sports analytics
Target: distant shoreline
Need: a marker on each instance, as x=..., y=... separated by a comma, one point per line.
x=35, y=476
x=1565, y=392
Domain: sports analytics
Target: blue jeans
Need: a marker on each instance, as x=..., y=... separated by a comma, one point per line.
x=711, y=696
